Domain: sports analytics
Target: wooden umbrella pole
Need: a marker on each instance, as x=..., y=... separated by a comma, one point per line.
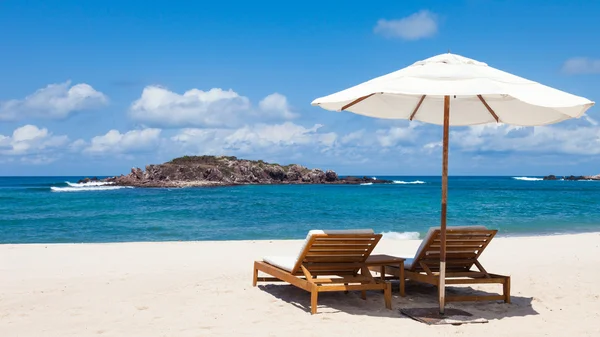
x=442, y=283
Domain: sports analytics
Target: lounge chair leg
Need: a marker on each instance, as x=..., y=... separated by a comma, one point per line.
x=363, y=294
x=314, y=295
x=346, y=291
x=506, y=289
x=255, y=277
x=387, y=295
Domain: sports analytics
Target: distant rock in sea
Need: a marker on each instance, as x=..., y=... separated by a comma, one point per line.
x=192, y=171
x=573, y=178
x=89, y=180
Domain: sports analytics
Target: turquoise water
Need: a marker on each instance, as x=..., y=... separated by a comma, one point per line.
x=47, y=209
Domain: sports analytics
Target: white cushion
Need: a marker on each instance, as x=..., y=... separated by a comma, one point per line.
x=283, y=262
x=408, y=265
x=288, y=262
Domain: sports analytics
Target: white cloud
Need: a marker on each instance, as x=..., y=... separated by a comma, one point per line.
x=201, y=141
x=394, y=135
x=77, y=145
x=31, y=140
x=38, y=159
x=257, y=138
x=432, y=145
x=590, y=120
x=130, y=142
x=363, y=146
x=581, y=65
x=214, y=108
x=55, y=101
x=417, y=26
x=353, y=137
x=513, y=143
x=540, y=140
x=283, y=135
x=159, y=107
x=276, y=105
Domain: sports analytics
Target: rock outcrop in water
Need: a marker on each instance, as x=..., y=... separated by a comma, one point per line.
x=553, y=177
x=223, y=171
x=89, y=180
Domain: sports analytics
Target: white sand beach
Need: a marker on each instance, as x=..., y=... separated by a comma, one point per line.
x=204, y=289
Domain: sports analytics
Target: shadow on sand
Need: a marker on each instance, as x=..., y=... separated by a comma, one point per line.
x=418, y=295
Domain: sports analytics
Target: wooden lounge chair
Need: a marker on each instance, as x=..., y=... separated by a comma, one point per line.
x=464, y=245
x=328, y=261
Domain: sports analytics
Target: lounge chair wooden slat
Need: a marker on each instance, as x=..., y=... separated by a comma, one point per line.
x=333, y=265
x=458, y=248
x=331, y=252
x=474, y=280
x=454, y=239
x=347, y=242
x=466, y=233
x=327, y=258
x=351, y=287
x=280, y=274
x=317, y=248
x=451, y=255
x=367, y=234
x=350, y=279
x=341, y=257
x=333, y=272
x=475, y=298
x=466, y=274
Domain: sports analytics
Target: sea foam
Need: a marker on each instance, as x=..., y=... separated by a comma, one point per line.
x=86, y=188
x=366, y=184
x=401, y=235
x=408, y=182
x=527, y=179
x=91, y=183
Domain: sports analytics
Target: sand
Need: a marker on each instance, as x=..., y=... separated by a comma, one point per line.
x=204, y=289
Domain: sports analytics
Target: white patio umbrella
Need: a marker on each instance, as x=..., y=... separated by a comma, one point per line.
x=477, y=93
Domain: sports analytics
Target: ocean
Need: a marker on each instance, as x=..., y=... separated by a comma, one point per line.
x=57, y=209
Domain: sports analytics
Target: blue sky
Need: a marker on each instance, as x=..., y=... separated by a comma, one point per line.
x=94, y=88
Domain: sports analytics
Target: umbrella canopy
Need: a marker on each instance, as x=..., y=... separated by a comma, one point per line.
x=477, y=93
x=483, y=95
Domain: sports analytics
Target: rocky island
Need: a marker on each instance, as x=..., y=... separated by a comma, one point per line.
x=195, y=171
x=553, y=177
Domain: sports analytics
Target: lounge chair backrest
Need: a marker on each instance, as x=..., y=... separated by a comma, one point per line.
x=464, y=245
x=336, y=252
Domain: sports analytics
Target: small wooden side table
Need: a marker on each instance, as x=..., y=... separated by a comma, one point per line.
x=379, y=262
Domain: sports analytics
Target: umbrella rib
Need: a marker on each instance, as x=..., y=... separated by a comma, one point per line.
x=358, y=100
x=417, y=108
x=489, y=108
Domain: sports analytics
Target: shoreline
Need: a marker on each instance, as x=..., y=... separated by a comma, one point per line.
x=498, y=236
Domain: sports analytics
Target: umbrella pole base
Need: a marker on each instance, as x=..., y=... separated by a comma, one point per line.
x=442, y=287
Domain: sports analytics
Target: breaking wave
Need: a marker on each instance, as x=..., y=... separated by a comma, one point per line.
x=527, y=178
x=401, y=235
x=91, y=183
x=408, y=182
x=366, y=184
x=87, y=188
